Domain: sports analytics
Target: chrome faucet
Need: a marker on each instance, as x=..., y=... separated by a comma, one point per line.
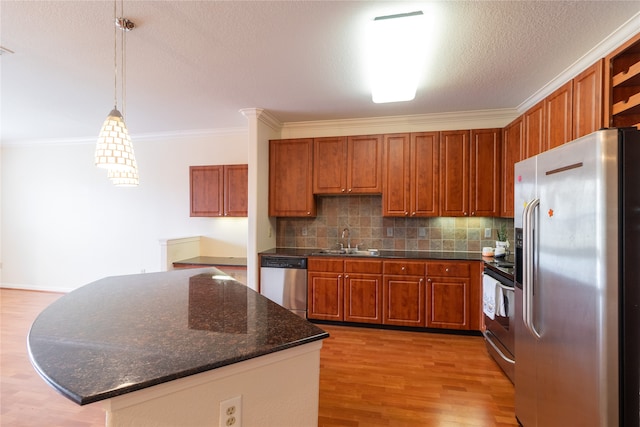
x=345, y=233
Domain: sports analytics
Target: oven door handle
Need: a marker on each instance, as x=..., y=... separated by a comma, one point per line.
x=496, y=348
x=504, y=287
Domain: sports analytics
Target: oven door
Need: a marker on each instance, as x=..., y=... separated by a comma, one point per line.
x=499, y=326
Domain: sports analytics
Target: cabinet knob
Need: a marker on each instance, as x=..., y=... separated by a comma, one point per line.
x=465, y=214
x=404, y=268
x=346, y=276
x=413, y=214
x=343, y=190
x=428, y=280
x=350, y=190
x=473, y=213
x=446, y=269
x=406, y=213
x=308, y=213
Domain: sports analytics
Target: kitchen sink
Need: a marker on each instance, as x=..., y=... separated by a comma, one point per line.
x=346, y=252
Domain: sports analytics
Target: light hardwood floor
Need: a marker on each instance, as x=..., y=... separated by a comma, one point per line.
x=368, y=378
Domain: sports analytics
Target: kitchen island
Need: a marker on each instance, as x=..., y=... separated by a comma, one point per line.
x=167, y=348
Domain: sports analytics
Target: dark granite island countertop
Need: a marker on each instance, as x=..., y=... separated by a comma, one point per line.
x=126, y=333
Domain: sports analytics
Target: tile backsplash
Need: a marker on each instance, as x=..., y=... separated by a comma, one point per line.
x=362, y=215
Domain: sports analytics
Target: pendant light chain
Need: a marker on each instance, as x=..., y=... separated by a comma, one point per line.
x=115, y=56
x=123, y=65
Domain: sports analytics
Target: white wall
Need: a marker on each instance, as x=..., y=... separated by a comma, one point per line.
x=65, y=225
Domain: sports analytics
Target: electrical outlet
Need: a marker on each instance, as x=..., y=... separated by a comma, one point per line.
x=487, y=233
x=231, y=412
x=304, y=231
x=389, y=231
x=422, y=232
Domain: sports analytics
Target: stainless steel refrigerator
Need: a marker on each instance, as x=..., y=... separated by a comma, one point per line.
x=577, y=232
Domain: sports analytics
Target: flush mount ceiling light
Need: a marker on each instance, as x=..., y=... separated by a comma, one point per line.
x=114, y=150
x=396, y=55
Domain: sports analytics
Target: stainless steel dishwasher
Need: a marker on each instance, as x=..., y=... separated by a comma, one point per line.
x=283, y=279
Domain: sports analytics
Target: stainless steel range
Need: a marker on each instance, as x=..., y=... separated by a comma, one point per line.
x=499, y=313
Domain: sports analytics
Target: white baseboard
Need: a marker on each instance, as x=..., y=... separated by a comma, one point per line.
x=35, y=288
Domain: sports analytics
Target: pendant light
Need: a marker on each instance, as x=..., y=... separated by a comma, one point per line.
x=114, y=150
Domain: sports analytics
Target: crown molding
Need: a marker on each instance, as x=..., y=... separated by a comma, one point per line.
x=479, y=119
x=602, y=49
x=263, y=116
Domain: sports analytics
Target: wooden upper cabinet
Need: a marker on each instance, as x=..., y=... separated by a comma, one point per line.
x=485, y=176
x=454, y=173
x=511, y=154
x=622, y=85
x=396, y=174
x=534, y=122
x=219, y=190
x=587, y=101
x=410, y=174
x=236, y=190
x=559, y=116
x=330, y=165
x=424, y=191
x=206, y=190
x=364, y=164
x=348, y=165
x=290, y=178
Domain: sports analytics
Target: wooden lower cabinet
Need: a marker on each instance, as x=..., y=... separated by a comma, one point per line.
x=325, y=296
x=403, y=293
x=432, y=294
x=344, y=290
x=454, y=295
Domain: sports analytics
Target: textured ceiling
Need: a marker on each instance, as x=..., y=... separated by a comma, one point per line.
x=191, y=65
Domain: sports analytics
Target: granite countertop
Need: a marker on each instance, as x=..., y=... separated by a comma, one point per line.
x=418, y=255
x=213, y=261
x=126, y=333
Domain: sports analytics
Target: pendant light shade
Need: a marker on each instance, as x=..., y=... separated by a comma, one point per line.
x=114, y=150
x=123, y=179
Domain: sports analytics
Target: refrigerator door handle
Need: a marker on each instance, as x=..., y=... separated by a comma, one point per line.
x=528, y=248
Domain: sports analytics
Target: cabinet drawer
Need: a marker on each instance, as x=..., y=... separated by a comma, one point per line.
x=410, y=268
x=329, y=265
x=449, y=269
x=363, y=266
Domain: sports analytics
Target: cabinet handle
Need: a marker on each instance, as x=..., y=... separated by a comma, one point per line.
x=413, y=214
x=403, y=268
x=406, y=213
x=473, y=213
x=346, y=277
x=350, y=190
x=465, y=214
x=308, y=213
x=446, y=269
x=343, y=190
x=428, y=280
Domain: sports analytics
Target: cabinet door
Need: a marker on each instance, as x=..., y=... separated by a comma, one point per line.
x=329, y=166
x=236, y=192
x=448, y=302
x=363, y=298
x=364, y=164
x=587, y=101
x=559, y=116
x=325, y=296
x=396, y=174
x=484, y=183
x=206, y=190
x=290, y=178
x=511, y=154
x=404, y=300
x=534, y=130
x=423, y=198
x=454, y=173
